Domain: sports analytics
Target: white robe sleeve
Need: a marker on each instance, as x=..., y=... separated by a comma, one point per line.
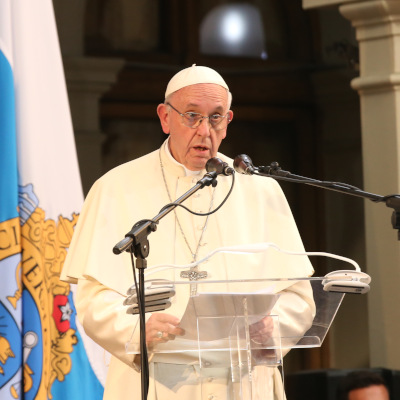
x=103, y=316
x=296, y=310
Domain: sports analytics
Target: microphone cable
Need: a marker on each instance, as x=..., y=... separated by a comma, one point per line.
x=207, y=213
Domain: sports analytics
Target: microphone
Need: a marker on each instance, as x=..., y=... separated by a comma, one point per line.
x=215, y=164
x=243, y=164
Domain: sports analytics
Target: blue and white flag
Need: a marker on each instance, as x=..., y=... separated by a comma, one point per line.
x=44, y=353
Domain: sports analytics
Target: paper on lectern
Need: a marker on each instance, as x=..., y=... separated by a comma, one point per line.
x=214, y=314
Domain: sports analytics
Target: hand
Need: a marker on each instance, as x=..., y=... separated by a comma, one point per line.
x=261, y=331
x=166, y=324
x=260, y=334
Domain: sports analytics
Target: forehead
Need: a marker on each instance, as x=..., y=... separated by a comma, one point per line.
x=374, y=392
x=202, y=94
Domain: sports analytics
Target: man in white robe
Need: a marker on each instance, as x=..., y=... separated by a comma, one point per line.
x=195, y=115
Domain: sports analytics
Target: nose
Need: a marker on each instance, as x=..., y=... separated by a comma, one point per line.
x=204, y=128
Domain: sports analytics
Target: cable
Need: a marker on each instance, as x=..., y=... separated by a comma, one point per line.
x=202, y=214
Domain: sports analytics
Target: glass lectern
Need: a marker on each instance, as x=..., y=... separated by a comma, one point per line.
x=240, y=328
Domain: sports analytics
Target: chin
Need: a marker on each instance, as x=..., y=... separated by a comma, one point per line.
x=197, y=166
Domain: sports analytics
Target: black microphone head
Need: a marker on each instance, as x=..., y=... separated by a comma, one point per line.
x=219, y=166
x=243, y=164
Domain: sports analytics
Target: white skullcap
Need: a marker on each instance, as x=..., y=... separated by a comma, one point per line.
x=192, y=76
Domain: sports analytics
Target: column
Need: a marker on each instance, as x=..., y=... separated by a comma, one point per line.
x=377, y=24
x=88, y=78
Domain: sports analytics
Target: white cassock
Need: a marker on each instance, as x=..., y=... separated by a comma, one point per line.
x=257, y=211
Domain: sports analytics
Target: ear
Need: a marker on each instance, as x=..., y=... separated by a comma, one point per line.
x=230, y=116
x=163, y=114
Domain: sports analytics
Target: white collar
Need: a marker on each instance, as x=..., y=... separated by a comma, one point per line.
x=188, y=172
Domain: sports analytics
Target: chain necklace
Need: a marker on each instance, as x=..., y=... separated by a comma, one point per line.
x=195, y=253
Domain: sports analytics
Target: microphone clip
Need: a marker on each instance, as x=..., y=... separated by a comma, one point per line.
x=210, y=178
x=273, y=169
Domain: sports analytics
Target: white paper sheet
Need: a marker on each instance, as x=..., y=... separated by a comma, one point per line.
x=217, y=312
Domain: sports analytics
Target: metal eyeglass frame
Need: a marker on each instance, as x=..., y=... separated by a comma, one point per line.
x=200, y=120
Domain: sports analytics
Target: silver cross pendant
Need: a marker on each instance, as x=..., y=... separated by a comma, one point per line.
x=194, y=275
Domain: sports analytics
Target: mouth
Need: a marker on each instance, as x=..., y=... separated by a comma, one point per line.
x=200, y=148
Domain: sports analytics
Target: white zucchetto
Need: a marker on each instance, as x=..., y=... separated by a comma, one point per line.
x=192, y=76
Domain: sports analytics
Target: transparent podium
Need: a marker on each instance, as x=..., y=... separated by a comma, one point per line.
x=238, y=329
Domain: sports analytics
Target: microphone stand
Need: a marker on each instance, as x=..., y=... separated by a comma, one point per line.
x=136, y=241
x=391, y=201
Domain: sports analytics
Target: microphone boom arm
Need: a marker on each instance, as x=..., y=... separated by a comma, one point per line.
x=391, y=201
x=143, y=228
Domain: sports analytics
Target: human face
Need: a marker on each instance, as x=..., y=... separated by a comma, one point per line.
x=193, y=147
x=375, y=392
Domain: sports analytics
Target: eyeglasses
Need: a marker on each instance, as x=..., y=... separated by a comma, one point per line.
x=193, y=120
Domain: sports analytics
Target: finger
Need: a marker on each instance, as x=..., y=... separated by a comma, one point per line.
x=167, y=338
x=153, y=327
x=166, y=318
x=169, y=328
x=154, y=337
x=163, y=339
x=262, y=325
x=256, y=327
x=164, y=330
x=176, y=331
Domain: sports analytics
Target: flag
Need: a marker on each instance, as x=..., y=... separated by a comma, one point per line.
x=44, y=353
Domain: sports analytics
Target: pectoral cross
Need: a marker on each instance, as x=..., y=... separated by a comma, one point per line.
x=193, y=275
